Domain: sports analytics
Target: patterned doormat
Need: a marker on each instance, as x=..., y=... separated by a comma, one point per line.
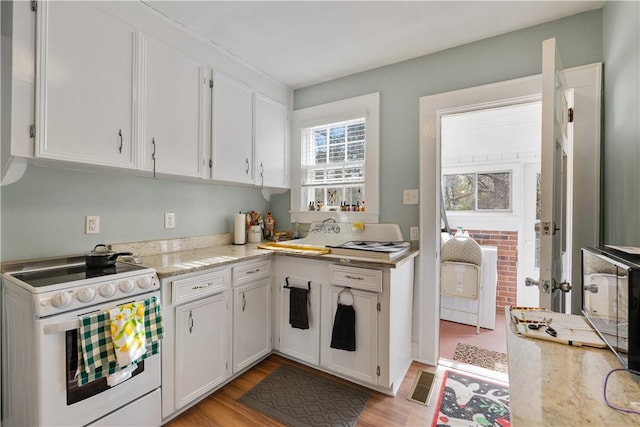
x=466, y=400
x=301, y=398
x=482, y=357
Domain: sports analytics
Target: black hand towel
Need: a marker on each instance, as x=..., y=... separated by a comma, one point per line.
x=298, y=315
x=344, y=328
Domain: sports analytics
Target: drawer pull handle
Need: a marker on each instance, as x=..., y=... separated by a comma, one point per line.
x=257, y=270
x=191, y=322
x=201, y=286
x=354, y=277
x=244, y=302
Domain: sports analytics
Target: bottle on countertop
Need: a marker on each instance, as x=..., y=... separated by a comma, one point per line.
x=269, y=226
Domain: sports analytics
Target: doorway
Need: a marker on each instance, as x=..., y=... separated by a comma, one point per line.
x=490, y=163
x=586, y=83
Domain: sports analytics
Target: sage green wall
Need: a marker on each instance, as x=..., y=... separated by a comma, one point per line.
x=504, y=57
x=621, y=148
x=43, y=212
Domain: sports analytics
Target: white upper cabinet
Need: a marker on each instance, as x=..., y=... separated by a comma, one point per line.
x=175, y=87
x=232, y=138
x=86, y=75
x=271, y=147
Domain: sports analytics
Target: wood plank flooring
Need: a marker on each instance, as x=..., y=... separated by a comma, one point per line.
x=223, y=409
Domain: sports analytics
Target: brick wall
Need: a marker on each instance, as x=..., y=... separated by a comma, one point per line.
x=507, y=243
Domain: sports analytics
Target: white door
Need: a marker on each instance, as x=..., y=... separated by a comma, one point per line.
x=553, y=184
x=84, y=92
x=232, y=130
x=175, y=85
x=251, y=323
x=201, y=347
x=529, y=257
x=271, y=147
x=362, y=363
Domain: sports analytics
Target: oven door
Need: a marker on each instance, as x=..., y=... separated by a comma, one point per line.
x=61, y=400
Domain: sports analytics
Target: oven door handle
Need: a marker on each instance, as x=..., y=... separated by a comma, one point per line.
x=56, y=328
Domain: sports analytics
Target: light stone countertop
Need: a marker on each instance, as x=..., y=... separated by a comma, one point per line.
x=552, y=384
x=188, y=255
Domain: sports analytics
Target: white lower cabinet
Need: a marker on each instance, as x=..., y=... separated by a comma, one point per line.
x=382, y=299
x=196, y=349
x=361, y=364
x=301, y=344
x=251, y=323
x=251, y=314
x=201, y=347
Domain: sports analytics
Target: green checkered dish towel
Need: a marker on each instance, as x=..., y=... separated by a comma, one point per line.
x=96, y=355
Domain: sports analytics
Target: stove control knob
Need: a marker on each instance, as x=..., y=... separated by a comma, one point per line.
x=107, y=290
x=144, y=282
x=86, y=294
x=126, y=286
x=62, y=299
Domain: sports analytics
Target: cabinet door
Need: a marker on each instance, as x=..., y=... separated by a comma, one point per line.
x=202, y=344
x=251, y=323
x=303, y=344
x=362, y=363
x=272, y=151
x=232, y=130
x=175, y=87
x=85, y=80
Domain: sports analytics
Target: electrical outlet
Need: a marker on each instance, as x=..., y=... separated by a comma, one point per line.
x=169, y=220
x=414, y=233
x=92, y=224
x=410, y=197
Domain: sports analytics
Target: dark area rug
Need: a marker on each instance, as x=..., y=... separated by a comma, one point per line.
x=301, y=398
x=482, y=357
x=466, y=400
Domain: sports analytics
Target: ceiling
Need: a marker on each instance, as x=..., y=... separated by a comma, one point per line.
x=301, y=43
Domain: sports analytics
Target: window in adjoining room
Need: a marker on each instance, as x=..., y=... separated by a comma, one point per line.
x=487, y=191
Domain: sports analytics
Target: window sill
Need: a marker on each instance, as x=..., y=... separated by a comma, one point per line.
x=307, y=217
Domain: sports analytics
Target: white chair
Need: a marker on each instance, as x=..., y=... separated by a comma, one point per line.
x=460, y=272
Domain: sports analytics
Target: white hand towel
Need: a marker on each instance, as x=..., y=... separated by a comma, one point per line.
x=127, y=332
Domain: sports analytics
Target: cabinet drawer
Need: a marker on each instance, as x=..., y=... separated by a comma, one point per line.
x=250, y=272
x=356, y=278
x=196, y=287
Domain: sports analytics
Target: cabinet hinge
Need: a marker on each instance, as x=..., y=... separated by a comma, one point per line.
x=32, y=131
x=378, y=370
x=34, y=6
x=570, y=115
x=378, y=306
x=210, y=83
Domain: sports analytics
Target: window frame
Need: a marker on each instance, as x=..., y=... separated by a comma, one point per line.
x=367, y=106
x=480, y=171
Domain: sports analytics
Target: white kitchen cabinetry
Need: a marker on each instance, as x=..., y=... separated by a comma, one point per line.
x=196, y=348
x=175, y=91
x=85, y=83
x=232, y=145
x=251, y=313
x=201, y=341
x=360, y=288
x=271, y=143
x=383, y=303
x=302, y=344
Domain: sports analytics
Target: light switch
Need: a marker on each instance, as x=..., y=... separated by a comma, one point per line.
x=410, y=197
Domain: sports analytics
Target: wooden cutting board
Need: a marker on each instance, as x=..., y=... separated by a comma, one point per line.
x=571, y=329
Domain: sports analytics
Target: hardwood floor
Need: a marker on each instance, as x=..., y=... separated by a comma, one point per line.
x=223, y=409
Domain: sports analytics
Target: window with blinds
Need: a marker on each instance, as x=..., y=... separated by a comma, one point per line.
x=333, y=164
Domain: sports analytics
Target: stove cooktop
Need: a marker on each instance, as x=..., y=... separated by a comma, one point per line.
x=71, y=273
